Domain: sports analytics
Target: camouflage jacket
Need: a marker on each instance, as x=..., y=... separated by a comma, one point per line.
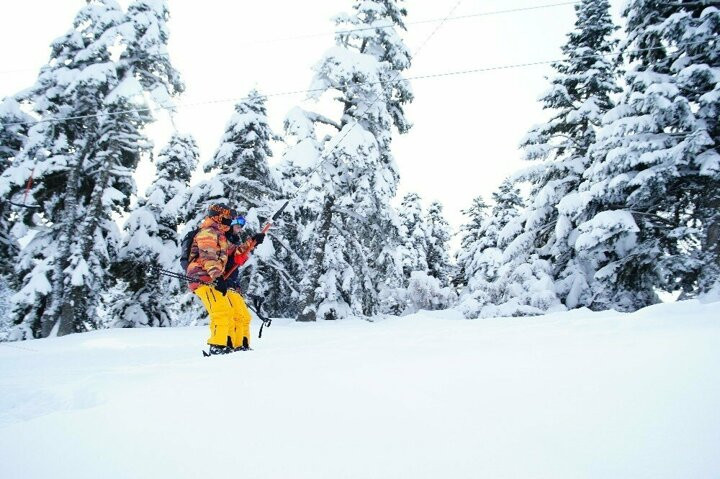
x=211, y=251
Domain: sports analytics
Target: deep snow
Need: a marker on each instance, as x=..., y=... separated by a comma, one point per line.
x=567, y=395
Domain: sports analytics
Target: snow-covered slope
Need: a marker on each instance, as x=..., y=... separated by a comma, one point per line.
x=571, y=395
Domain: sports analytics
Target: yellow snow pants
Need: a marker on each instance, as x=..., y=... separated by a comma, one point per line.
x=229, y=316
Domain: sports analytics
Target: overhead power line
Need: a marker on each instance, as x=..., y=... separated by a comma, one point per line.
x=498, y=12
x=420, y=22
x=374, y=27
x=312, y=90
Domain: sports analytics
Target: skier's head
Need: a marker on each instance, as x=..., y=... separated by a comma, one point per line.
x=222, y=214
x=237, y=223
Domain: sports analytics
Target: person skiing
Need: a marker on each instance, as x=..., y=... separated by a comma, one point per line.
x=211, y=255
x=239, y=252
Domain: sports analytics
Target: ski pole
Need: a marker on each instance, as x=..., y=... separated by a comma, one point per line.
x=184, y=277
x=21, y=205
x=265, y=229
x=256, y=308
x=257, y=301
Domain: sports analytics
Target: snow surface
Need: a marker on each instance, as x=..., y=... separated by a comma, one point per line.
x=567, y=395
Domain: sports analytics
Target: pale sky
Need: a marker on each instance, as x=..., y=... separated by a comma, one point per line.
x=466, y=127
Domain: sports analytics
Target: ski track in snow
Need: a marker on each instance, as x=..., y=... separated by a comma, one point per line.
x=568, y=395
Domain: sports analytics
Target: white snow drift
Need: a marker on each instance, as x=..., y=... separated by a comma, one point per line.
x=568, y=395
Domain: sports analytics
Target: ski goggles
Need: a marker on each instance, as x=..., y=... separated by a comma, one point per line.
x=238, y=220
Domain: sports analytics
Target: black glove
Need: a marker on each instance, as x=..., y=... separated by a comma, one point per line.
x=232, y=238
x=259, y=238
x=221, y=285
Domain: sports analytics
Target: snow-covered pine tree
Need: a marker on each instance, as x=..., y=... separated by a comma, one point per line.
x=14, y=124
x=414, y=234
x=151, y=238
x=242, y=175
x=498, y=284
x=655, y=183
x=307, y=176
x=243, y=179
x=53, y=157
x=81, y=156
x=508, y=205
x=416, y=284
x=438, y=245
x=472, y=243
x=145, y=58
x=143, y=66
x=524, y=284
x=106, y=187
x=355, y=237
x=303, y=176
x=5, y=323
x=484, y=253
x=426, y=260
x=426, y=292
x=580, y=95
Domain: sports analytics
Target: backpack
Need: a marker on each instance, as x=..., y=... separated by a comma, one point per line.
x=186, y=248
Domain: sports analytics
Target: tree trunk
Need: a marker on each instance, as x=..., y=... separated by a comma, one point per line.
x=712, y=248
x=53, y=313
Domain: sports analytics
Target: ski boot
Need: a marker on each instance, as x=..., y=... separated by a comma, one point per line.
x=215, y=349
x=245, y=346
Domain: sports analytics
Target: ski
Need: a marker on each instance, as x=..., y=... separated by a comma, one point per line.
x=206, y=354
